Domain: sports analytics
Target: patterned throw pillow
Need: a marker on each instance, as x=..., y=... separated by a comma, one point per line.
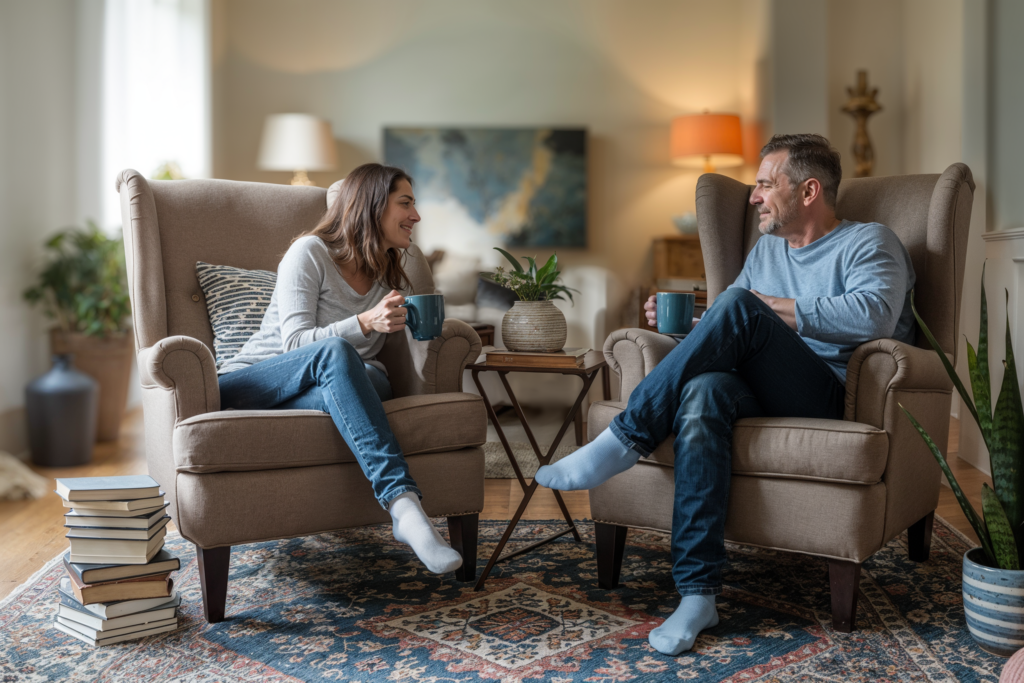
x=236, y=299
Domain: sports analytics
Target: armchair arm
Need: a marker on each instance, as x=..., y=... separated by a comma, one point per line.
x=430, y=367
x=633, y=353
x=884, y=366
x=184, y=366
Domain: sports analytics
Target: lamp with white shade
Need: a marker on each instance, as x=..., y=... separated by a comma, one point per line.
x=297, y=143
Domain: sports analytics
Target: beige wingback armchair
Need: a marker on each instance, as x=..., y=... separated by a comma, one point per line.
x=836, y=489
x=244, y=476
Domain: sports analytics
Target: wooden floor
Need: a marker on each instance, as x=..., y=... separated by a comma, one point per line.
x=31, y=532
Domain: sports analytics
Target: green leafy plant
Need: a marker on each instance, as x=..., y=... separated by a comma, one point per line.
x=83, y=284
x=1001, y=523
x=532, y=283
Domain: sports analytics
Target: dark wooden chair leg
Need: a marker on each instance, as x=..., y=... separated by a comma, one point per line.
x=611, y=543
x=213, y=579
x=844, y=579
x=919, y=538
x=463, y=533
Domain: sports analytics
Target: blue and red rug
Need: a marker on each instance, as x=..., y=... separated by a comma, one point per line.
x=356, y=606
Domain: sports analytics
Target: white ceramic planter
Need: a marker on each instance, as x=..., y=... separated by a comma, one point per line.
x=534, y=326
x=993, y=604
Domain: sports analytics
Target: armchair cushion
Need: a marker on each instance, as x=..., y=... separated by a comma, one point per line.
x=246, y=440
x=786, y=448
x=236, y=299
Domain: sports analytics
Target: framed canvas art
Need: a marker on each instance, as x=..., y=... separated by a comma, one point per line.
x=509, y=187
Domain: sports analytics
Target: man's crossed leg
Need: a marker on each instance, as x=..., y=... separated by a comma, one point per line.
x=742, y=360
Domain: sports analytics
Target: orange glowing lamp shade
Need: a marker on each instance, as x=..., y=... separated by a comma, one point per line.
x=706, y=141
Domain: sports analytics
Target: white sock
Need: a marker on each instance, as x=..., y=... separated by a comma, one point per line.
x=694, y=614
x=410, y=525
x=590, y=466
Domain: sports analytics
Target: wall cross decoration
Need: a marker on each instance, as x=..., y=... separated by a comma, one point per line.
x=860, y=106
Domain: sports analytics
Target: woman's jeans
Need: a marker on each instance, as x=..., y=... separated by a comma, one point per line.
x=328, y=375
x=741, y=360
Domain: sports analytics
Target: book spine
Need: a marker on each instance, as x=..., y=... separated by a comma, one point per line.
x=568, y=362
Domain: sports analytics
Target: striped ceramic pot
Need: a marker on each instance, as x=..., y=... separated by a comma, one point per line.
x=534, y=326
x=993, y=604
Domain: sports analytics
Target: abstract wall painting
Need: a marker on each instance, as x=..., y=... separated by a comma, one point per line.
x=510, y=187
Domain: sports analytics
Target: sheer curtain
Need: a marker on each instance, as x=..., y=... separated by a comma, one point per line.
x=156, y=91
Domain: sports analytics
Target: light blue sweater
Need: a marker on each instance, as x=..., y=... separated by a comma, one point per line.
x=851, y=286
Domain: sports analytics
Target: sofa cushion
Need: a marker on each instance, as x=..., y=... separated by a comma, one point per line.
x=786, y=447
x=243, y=440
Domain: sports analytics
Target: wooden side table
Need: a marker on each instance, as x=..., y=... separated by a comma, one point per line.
x=485, y=331
x=593, y=364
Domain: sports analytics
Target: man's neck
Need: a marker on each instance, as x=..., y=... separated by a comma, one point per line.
x=811, y=230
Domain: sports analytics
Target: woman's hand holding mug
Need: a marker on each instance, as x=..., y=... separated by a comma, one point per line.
x=387, y=316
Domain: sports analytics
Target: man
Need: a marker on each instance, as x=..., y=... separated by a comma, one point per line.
x=774, y=344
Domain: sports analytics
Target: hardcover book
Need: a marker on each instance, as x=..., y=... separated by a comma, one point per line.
x=112, y=609
x=108, y=488
x=115, y=519
x=77, y=632
x=143, y=534
x=566, y=358
x=92, y=621
x=133, y=506
x=157, y=586
x=98, y=572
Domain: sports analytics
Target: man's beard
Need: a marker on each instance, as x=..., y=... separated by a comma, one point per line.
x=787, y=214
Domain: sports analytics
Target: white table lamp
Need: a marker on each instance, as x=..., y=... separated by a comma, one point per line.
x=297, y=143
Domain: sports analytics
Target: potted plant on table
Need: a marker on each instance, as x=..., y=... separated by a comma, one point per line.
x=993, y=581
x=533, y=323
x=83, y=287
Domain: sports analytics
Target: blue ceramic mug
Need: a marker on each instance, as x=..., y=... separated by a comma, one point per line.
x=424, y=315
x=675, y=312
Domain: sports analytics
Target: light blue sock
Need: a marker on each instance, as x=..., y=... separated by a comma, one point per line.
x=590, y=466
x=694, y=614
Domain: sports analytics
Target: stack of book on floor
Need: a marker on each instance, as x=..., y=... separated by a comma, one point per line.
x=566, y=358
x=118, y=584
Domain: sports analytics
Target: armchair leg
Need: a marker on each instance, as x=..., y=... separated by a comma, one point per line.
x=919, y=538
x=213, y=579
x=463, y=533
x=611, y=543
x=844, y=579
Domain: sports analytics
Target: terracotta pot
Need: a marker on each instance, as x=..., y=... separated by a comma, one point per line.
x=534, y=326
x=108, y=360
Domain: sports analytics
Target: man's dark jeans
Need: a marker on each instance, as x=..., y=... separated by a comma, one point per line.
x=741, y=360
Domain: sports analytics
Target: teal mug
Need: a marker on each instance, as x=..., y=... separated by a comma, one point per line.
x=424, y=315
x=675, y=312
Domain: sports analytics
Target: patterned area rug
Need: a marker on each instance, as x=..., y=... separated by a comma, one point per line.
x=356, y=606
x=497, y=466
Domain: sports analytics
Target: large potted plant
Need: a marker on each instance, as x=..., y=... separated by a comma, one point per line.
x=83, y=287
x=993, y=581
x=533, y=323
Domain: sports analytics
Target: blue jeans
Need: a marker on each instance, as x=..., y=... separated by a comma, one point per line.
x=741, y=360
x=328, y=375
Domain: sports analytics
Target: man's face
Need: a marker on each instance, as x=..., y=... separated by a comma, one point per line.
x=774, y=196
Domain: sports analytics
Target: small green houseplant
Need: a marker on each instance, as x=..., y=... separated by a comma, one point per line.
x=994, y=569
x=533, y=323
x=84, y=288
x=83, y=285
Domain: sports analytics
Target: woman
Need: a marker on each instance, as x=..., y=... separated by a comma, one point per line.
x=338, y=294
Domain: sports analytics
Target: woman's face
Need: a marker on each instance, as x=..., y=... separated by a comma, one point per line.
x=399, y=217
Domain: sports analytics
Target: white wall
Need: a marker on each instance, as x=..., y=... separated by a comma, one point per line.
x=37, y=180
x=623, y=70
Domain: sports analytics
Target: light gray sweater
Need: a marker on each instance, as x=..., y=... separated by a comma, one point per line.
x=311, y=301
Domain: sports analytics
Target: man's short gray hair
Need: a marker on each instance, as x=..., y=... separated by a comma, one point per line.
x=810, y=156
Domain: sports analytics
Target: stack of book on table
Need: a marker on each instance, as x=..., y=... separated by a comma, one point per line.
x=566, y=358
x=118, y=585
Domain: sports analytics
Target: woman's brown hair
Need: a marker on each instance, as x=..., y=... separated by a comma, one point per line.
x=352, y=228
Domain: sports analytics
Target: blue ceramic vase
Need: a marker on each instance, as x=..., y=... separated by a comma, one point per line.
x=61, y=408
x=993, y=604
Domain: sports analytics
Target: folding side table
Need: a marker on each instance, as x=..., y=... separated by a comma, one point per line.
x=593, y=363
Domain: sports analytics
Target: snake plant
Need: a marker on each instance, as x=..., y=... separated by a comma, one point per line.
x=1000, y=526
